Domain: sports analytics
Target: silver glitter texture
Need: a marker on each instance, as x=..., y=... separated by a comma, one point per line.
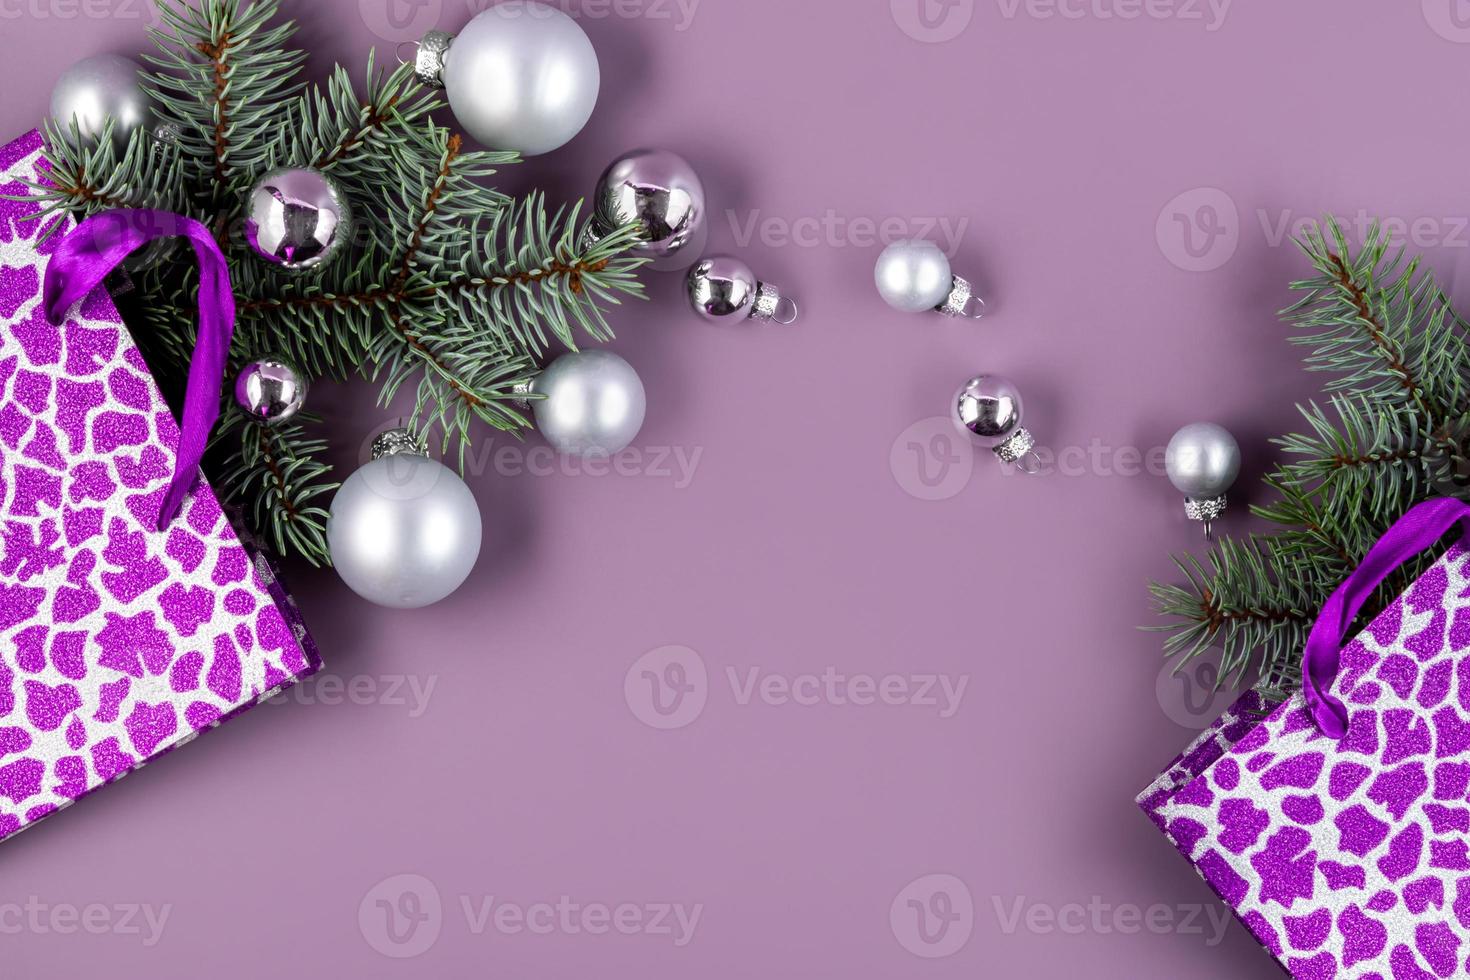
x=396, y=442
x=959, y=297
x=767, y=298
x=1208, y=509
x=428, y=65
x=1017, y=446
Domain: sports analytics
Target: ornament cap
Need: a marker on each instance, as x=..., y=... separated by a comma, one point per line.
x=1018, y=446
x=398, y=442
x=771, y=307
x=521, y=393
x=1206, y=510
x=962, y=302
x=428, y=63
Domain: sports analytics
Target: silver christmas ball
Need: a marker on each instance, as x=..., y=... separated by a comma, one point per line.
x=99, y=88
x=404, y=530
x=989, y=408
x=271, y=389
x=1203, y=461
x=297, y=219
x=661, y=193
x=521, y=76
x=913, y=276
x=592, y=403
x=723, y=289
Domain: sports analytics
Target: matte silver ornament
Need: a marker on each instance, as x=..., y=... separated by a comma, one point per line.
x=589, y=403
x=271, y=389
x=659, y=192
x=298, y=219
x=1203, y=463
x=404, y=530
x=915, y=276
x=989, y=408
x=723, y=289
x=99, y=88
x=520, y=76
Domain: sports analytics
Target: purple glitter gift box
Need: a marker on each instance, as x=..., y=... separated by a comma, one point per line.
x=1347, y=858
x=118, y=642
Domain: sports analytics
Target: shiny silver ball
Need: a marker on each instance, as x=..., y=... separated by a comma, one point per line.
x=592, y=403
x=404, y=530
x=271, y=390
x=298, y=219
x=913, y=276
x=660, y=193
x=722, y=288
x=1203, y=461
x=521, y=76
x=99, y=88
x=989, y=408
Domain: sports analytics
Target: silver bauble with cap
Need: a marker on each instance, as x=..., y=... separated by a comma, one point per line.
x=1203, y=463
x=520, y=76
x=723, y=289
x=658, y=192
x=404, y=530
x=915, y=276
x=297, y=219
x=98, y=89
x=989, y=408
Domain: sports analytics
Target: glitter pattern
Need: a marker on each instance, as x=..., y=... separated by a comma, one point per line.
x=959, y=298
x=1348, y=858
x=767, y=299
x=118, y=643
x=1211, y=509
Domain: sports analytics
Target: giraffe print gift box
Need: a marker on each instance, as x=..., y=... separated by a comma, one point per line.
x=1347, y=856
x=118, y=642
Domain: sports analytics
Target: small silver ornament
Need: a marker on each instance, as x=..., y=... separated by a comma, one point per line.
x=589, y=403
x=271, y=389
x=1203, y=463
x=99, y=88
x=298, y=219
x=404, y=530
x=989, y=408
x=520, y=76
x=723, y=289
x=660, y=193
x=914, y=276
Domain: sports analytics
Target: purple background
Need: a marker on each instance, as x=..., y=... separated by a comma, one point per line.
x=1063, y=135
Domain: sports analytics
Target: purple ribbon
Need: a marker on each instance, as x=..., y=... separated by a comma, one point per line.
x=1414, y=533
x=91, y=251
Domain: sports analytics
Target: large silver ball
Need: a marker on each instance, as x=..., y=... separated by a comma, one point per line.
x=661, y=193
x=989, y=408
x=404, y=531
x=913, y=276
x=1203, y=460
x=721, y=287
x=99, y=88
x=522, y=76
x=271, y=389
x=593, y=403
x=298, y=219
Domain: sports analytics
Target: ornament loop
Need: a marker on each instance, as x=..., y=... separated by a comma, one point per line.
x=786, y=311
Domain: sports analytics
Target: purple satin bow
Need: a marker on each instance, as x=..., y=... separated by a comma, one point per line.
x=1416, y=532
x=92, y=250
